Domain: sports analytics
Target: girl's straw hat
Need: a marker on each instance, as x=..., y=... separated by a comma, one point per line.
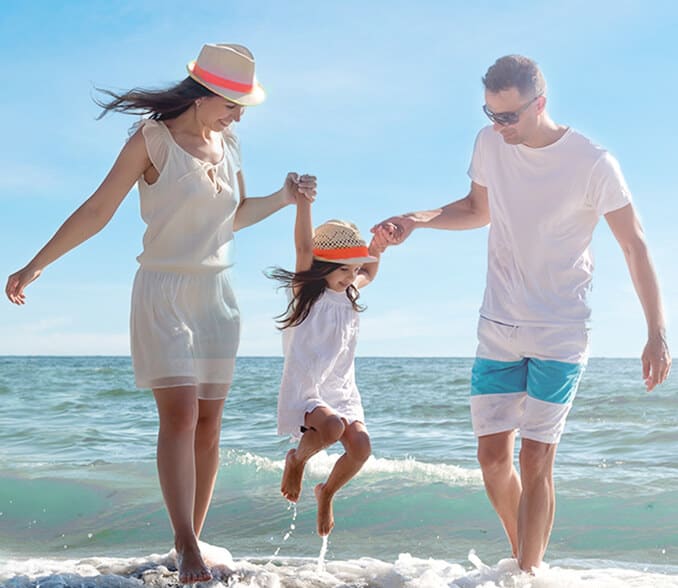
x=340, y=242
x=228, y=70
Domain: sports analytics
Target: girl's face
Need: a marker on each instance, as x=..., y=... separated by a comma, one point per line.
x=218, y=113
x=342, y=277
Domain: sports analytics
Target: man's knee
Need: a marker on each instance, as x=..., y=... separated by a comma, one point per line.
x=536, y=459
x=494, y=455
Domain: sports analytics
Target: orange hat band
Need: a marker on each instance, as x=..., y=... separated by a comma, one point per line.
x=342, y=253
x=221, y=82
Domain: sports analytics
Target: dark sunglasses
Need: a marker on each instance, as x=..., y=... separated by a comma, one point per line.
x=507, y=118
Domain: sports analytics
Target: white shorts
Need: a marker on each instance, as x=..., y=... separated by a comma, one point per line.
x=526, y=378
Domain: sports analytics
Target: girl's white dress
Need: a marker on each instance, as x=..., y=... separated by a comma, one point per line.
x=185, y=322
x=319, y=364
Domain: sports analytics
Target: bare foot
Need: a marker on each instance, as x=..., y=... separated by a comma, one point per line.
x=325, y=512
x=191, y=566
x=290, y=487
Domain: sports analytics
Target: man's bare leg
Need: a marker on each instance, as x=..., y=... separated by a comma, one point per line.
x=502, y=483
x=537, y=502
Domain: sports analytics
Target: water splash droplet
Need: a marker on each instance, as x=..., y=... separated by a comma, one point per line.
x=321, y=557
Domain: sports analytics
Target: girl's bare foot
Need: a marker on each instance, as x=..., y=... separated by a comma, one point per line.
x=325, y=512
x=191, y=566
x=293, y=474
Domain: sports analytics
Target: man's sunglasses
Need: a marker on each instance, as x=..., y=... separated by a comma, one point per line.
x=507, y=118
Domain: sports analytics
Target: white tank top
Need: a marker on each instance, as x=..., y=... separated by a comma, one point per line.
x=189, y=210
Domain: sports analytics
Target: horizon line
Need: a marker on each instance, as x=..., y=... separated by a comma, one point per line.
x=66, y=355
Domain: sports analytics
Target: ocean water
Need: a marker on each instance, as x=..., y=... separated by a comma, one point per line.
x=80, y=503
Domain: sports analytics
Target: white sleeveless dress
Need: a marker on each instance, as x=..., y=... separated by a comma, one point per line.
x=185, y=322
x=319, y=364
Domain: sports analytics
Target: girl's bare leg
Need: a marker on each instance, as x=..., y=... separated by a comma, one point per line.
x=356, y=442
x=178, y=412
x=324, y=429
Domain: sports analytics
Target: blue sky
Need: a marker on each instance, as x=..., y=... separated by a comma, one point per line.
x=381, y=100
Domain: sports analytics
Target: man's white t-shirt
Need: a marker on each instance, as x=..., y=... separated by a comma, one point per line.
x=544, y=205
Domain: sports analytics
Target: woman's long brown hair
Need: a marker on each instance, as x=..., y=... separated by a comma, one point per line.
x=162, y=104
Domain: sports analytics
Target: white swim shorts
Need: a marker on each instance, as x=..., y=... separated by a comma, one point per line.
x=526, y=378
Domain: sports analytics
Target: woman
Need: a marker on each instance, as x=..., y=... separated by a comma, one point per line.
x=185, y=323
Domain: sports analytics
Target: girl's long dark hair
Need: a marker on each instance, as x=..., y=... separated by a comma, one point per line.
x=162, y=104
x=310, y=284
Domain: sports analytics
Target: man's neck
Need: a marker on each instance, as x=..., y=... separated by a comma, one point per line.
x=547, y=133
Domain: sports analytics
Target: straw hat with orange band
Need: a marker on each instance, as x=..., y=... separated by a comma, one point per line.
x=340, y=242
x=228, y=71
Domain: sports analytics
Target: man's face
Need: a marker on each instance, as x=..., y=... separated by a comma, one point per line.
x=526, y=109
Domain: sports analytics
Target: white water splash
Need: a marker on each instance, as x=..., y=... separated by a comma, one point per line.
x=321, y=555
x=288, y=534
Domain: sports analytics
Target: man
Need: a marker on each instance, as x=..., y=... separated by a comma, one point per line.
x=543, y=187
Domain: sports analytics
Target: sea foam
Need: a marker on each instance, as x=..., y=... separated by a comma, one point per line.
x=405, y=572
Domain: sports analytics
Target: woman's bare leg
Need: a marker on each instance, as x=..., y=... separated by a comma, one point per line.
x=178, y=412
x=207, y=434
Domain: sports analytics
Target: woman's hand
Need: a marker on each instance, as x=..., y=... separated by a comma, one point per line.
x=296, y=187
x=18, y=281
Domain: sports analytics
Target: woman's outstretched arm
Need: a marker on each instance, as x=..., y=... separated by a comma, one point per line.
x=92, y=216
x=252, y=210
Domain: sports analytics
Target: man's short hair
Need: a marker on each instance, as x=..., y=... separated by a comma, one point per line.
x=515, y=71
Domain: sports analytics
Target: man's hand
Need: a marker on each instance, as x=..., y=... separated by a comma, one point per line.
x=396, y=229
x=656, y=360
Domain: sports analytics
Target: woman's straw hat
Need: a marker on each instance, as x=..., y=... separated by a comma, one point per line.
x=340, y=242
x=228, y=70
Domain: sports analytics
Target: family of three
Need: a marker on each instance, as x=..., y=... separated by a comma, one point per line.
x=541, y=187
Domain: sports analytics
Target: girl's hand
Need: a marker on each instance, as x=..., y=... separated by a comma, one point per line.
x=297, y=187
x=18, y=281
x=381, y=238
x=398, y=228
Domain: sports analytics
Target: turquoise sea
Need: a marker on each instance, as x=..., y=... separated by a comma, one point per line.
x=80, y=504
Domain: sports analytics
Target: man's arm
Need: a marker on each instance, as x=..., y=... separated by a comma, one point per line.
x=377, y=246
x=656, y=358
x=471, y=212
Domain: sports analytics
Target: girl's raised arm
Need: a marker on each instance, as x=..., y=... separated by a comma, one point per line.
x=303, y=235
x=92, y=216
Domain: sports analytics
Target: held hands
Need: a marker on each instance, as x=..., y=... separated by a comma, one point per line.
x=656, y=360
x=18, y=281
x=297, y=187
x=382, y=237
x=397, y=228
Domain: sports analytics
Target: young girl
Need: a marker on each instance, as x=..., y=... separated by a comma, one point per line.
x=318, y=399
